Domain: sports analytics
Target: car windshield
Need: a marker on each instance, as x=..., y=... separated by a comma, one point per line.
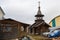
x=56, y=31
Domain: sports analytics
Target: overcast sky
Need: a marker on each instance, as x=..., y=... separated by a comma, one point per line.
x=25, y=10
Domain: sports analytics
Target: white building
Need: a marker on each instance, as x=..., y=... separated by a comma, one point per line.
x=1, y=14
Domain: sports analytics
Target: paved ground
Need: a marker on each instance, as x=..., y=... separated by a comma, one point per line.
x=37, y=37
x=31, y=37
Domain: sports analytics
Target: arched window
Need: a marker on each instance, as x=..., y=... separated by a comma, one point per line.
x=22, y=28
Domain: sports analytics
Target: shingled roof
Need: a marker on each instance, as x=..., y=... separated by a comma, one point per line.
x=39, y=24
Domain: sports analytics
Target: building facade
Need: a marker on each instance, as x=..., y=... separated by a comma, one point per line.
x=55, y=22
x=40, y=25
x=11, y=29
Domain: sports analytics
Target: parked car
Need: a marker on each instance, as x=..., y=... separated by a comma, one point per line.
x=54, y=32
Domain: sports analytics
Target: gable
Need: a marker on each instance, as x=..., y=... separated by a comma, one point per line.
x=55, y=22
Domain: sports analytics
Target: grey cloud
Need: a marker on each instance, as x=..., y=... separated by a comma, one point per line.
x=24, y=10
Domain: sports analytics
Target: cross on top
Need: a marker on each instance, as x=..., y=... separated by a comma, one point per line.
x=39, y=3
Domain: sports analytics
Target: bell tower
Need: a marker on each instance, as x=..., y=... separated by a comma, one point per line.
x=39, y=16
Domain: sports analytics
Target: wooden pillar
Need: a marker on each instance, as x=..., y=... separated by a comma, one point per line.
x=24, y=28
x=27, y=30
x=19, y=30
x=41, y=32
x=33, y=31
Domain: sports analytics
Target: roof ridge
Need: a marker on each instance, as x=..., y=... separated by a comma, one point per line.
x=2, y=10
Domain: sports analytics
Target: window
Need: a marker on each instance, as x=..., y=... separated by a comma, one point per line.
x=1, y=28
x=39, y=18
x=22, y=28
x=7, y=29
x=15, y=29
